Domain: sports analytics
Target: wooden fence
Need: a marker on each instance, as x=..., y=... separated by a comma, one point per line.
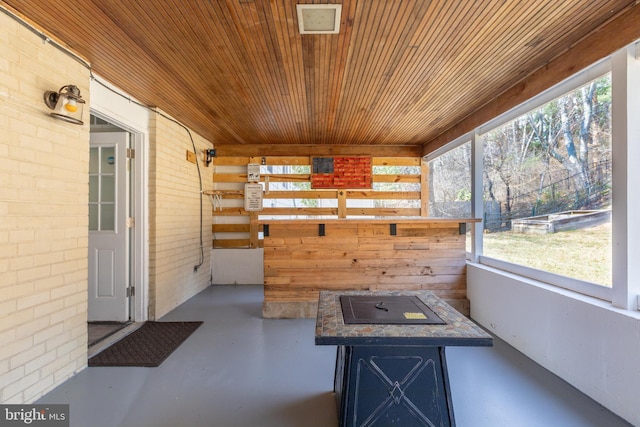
x=288, y=194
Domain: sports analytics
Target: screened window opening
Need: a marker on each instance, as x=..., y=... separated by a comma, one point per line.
x=548, y=182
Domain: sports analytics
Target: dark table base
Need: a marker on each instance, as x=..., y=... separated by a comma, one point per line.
x=392, y=386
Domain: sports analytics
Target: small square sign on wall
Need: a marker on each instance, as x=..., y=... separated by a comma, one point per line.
x=252, y=197
x=341, y=172
x=253, y=172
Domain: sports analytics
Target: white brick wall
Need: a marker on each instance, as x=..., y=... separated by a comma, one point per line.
x=43, y=226
x=44, y=219
x=174, y=206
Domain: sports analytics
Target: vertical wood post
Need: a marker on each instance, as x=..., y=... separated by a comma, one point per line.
x=342, y=203
x=253, y=230
x=424, y=188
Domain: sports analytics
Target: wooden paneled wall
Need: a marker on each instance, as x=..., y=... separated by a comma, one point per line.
x=234, y=227
x=303, y=257
x=339, y=239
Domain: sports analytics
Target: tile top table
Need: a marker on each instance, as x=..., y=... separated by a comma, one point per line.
x=458, y=330
x=393, y=374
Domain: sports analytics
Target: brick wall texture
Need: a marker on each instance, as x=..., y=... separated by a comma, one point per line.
x=174, y=205
x=44, y=219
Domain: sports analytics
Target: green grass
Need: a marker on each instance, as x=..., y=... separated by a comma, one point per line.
x=581, y=254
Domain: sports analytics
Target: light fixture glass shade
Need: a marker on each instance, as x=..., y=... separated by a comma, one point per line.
x=67, y=104
x=71, y=105
x=319, y=18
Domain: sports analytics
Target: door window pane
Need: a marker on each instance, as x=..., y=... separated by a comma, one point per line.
x=93, y=160
x=107, y=217
x=94, y=190
x=93, y=217
x=102, y=188
x=108, y=160
x=107, y=189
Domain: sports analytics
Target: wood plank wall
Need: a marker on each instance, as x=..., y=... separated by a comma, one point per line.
x=299, y=262
x=355, y=253
x=234, y=227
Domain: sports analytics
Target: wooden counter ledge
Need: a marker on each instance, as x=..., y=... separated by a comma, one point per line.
x=304, y=257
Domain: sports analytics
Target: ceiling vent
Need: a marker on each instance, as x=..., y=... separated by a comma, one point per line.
x=319, y=18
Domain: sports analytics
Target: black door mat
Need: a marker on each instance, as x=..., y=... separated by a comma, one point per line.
x=147, y=346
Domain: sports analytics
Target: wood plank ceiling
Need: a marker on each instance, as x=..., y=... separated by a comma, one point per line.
x=399, y=73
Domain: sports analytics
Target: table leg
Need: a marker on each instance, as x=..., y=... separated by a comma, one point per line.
x=380, y=385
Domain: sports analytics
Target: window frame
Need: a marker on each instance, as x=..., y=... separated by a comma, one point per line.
x=624, y=292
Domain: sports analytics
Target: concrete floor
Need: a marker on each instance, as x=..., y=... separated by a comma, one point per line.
x=241, y=370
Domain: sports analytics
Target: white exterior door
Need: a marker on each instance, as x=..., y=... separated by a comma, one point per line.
x=108, y=230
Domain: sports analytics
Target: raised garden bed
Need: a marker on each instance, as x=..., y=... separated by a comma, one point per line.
x=561, y=221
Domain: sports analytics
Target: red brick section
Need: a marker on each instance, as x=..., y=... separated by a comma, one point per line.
x=348, y=172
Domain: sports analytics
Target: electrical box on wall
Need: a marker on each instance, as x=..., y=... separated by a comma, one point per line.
x=252, y=197
x=253, y=172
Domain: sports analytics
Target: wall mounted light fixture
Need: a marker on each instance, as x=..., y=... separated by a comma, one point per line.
x=67, y=104
x=209, y=154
